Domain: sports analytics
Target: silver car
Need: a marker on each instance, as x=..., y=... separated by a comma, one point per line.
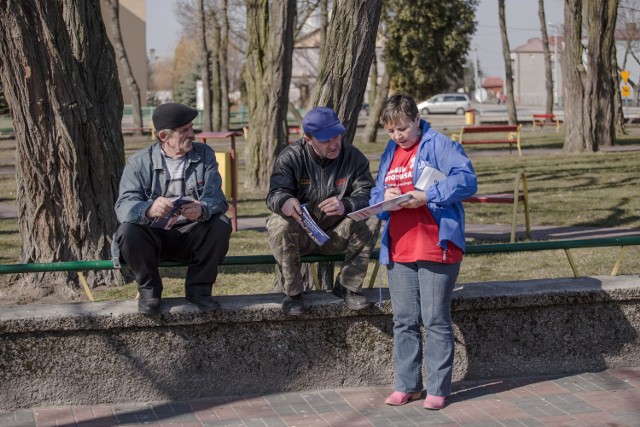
x=457, y=103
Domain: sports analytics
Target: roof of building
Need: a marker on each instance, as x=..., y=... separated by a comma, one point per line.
x=534, y=45
x=629, y=32
x=491, y=82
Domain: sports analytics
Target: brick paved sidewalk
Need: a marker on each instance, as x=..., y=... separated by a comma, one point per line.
x=608, y=398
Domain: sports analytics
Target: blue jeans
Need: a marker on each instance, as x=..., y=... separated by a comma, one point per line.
x=421, y=293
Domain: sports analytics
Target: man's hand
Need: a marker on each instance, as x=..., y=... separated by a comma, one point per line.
x=192, y=211
x=332, y=206
x=160, y=208
x=418, y=198
x=292, y=208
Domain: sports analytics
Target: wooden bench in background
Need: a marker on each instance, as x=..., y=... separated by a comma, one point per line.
x=296, y=131
x=490, y=134
x=510, y=198
x=546, y=120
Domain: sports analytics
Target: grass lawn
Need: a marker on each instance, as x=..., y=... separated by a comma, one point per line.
x=600, y=189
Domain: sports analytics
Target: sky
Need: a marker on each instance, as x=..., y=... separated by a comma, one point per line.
x=163, y=31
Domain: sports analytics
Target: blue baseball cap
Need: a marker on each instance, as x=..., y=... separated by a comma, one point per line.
x=322, y=123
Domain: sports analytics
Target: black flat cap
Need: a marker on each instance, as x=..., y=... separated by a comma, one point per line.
x=173, y=115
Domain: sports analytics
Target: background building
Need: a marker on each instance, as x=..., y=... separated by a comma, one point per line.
x=529, y=84
x=133, y=26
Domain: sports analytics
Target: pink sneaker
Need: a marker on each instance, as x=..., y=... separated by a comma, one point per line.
x=398, y=398
x=434, y=402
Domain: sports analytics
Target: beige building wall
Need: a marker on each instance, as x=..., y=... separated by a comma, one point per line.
x=133, y=26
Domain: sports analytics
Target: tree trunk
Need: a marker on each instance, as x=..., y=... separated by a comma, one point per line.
x=371, y=129
x=589, y=92
x=59, y=72
x=345, y=65
x=346, y=60
x=223, y=55
x=506, y=53
x=205, y=70
x=216, y=91
x=125, y=67
x=620, y=126
x=373, y=81
x=270, y=28
x=548, y=76
x=324, y=23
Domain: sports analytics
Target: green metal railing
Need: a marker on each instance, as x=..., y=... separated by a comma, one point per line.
x=491, y=248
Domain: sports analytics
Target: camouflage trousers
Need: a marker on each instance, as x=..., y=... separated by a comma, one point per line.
x=289, y=242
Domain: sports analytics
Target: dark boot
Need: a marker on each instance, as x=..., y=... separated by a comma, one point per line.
x=204, y=302
x=293, y=305
x=149, y=306
x=353, y=300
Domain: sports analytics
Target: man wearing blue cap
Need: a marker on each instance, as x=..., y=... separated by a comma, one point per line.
x=332, y=179
x=153, y=226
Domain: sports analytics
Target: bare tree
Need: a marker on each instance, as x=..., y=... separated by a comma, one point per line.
x=214, y=64
x=371, y=128
x=548, y=76
x=508, y=71
x=59, y=73
x=125, y=67
x=270, y=28
x=373, y=81
x=324, y=23
x=588, y=85
x=223, y=61
x=205, y=70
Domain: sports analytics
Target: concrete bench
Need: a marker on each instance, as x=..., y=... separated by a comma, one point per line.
x=91, y=353
x=546, y=120
x=512, y=199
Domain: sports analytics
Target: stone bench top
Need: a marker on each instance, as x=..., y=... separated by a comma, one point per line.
x=320, y=305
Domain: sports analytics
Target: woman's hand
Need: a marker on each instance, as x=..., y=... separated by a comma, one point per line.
x=418, y=198
x=391, y=193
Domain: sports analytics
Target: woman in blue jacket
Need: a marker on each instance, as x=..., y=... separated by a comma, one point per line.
x=422, y=244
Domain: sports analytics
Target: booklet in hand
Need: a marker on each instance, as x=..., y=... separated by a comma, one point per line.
x=385, y=205
x=428, y=177
x=311, y=227
x=168, y=220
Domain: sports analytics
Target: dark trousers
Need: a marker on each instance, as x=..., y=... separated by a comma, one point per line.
x=202, y=244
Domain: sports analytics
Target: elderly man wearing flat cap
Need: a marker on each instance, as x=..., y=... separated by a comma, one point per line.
x=332, y=179
x=172, y=168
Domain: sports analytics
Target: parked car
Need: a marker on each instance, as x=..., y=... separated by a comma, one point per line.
x=457, y=103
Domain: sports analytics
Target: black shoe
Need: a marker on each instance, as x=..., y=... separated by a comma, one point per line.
x=293, y=306
x=353, y=300
x=149, y=306
x=204, y=302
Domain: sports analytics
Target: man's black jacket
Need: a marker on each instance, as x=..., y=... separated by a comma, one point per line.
x=299, y=172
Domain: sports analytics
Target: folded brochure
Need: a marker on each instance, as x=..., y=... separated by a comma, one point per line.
x=311, y=227
x=378, y=207
x=167, y=221
x=428, y=177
